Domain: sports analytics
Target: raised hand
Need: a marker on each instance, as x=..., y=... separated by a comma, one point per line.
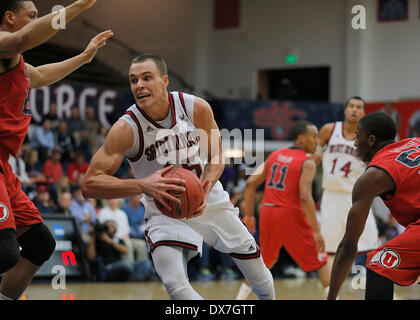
x=96, y=43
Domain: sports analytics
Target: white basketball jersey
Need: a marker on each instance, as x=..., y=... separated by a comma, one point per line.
x=156, y=147
x=341, y=167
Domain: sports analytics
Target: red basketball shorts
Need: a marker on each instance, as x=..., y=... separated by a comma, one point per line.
x=16, y=210
x=399, y=258
x=289, y=228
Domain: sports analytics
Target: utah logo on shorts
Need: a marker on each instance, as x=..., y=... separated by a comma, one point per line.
x=388, y=258
x=4, y=212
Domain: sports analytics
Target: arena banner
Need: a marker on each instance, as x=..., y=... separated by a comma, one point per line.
x=409, y=114
x=109, y=104
x=275, y=117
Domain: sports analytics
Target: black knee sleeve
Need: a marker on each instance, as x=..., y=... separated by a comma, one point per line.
x=37, y=244
x=378, y=287
x=9, y=250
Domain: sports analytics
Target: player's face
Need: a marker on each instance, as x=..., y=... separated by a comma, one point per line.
x=26, y=13
x=147, y=84
x=362, y=144
x=354, y=111
x=311, y=139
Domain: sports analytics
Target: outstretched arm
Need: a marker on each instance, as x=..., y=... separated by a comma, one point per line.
x=372, y=183
x=100, y=183
x=37, y=31
x=50, y=73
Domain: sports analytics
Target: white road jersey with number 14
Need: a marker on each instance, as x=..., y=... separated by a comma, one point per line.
x=340, y=164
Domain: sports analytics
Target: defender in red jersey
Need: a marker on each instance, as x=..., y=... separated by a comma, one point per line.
x=393, y=174
x=287, y=210
x=20, y=222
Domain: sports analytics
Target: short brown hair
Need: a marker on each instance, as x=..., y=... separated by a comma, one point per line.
x=160, y=63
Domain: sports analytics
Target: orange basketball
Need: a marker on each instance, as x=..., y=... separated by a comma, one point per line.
x=191, y=199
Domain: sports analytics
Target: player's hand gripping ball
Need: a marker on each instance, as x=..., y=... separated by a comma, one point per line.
x=191, y=199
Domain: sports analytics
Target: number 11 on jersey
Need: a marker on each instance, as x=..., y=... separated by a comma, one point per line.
x=280, y=184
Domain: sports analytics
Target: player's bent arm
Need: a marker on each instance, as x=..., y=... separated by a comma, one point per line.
x=305, y=190
x=36, y=32
x=210, y=140
x=325, y=133
x=372, y=183
x=99, y=181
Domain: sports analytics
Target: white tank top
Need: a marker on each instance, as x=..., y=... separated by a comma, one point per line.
x=341, y=167
x=156, y=147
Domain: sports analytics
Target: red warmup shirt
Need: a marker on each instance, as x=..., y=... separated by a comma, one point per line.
x=401, y=160
x=53, y=170
x=15, y=114
x=284, y=168
x=73, y=171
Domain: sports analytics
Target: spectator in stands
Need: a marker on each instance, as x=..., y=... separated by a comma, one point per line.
x=414, y=125
x=43, y=200
x=75, y=124
x=100, y=137
x=64, y=202
x=84, y=213
x=66, y=142
x=92, y=127
x=43, y=139
x=34, y=167
x=77, y=128
x=134, y=209
x=95, y=204
x=112, y=211
x=108, y=253
x=19, y=168
x=53, y=170
x=52, y=116
x=77, y=169
x=63, y=185
x=137, y=247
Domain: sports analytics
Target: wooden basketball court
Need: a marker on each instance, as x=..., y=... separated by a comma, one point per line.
x=286, y=289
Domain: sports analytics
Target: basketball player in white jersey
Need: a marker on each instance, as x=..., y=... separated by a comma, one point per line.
x=169, y=130
x=341, y=168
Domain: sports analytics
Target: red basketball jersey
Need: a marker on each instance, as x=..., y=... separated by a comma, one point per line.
x=15, y=114
x=284, y=167
x=401, y=160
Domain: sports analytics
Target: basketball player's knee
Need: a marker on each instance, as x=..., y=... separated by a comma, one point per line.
x=262, y=284
x=37, y=244
x=9, y=250
x=173, y=286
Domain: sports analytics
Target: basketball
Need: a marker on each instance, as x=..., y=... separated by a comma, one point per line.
x=191, y=199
